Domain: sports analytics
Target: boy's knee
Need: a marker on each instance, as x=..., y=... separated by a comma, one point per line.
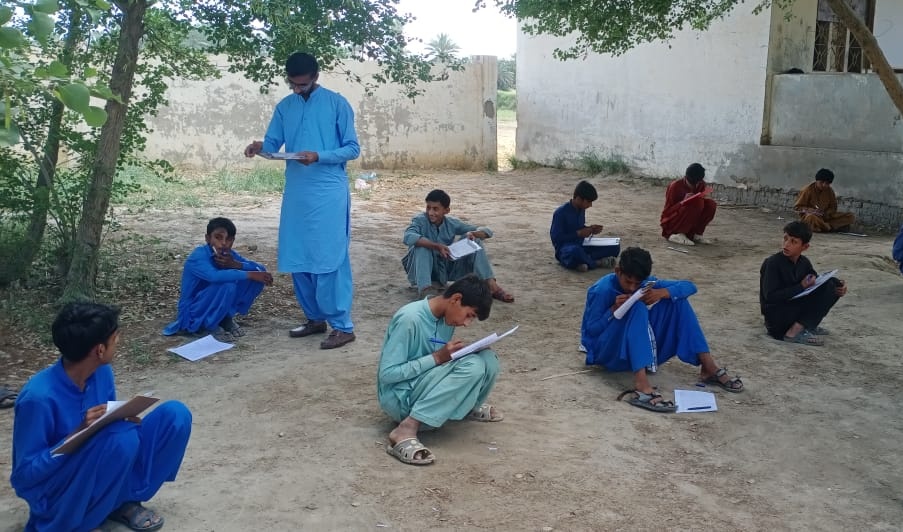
x=174, y=415
x=490, y=362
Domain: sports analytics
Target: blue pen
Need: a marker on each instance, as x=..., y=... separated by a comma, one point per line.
x=438, y=341
x=700, y=408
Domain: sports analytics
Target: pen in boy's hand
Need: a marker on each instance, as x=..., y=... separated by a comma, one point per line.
x=438, y=341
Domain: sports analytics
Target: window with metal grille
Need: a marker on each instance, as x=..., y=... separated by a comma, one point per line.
x=836, y=50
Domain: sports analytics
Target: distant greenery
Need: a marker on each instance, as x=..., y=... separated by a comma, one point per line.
x=507, y=80
x=506, y=100
x=504, y=115
x=592, y=163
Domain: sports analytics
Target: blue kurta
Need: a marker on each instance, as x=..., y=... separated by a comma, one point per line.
x=423, y=265
x=643, y=337
x=898, y=249
x=569, y=248
x=124, y=462
x=314, y=226
x=209, y=293
x=409, y=383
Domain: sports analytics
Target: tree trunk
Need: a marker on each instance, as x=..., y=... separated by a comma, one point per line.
x=871, y=49
x=82, y=278
x=50, y=156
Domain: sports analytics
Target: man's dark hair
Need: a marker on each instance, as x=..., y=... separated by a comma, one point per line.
x=586, y=191
x=799, y=230
x=695, y=173
x=220, y=222
x=474, y=293
x=824, y=175
x=300, y=63
x=439, y=196
x=80, y=326
x=636, y=263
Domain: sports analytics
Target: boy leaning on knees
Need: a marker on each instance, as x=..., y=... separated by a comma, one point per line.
x=419, y=384
x=569, y=229
x=428, y=259
x=120, y=466
x=687, y=211
x=787, y=274
x=217, y=284
x=661, y=325
x=817, y=205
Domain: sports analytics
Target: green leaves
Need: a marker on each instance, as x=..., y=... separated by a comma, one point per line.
x=6, y=14
x=75, y=96
x=46, y=6
x=41, y=26
x=11, y=38
x=94, y=116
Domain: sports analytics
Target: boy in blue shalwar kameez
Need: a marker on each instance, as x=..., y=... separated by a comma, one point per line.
x=117, y=468
x=569, y=229
x=217, y=284
x=646, y=337
x=418, y=383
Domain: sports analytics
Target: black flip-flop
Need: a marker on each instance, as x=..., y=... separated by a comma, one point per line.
x=7, y=398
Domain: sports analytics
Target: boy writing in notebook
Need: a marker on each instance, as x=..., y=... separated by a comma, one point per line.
x=120, y=466
x=419, y=384
x=428, y=259
x=661, y=325
x=569, y=229
x=687, y=210
x=217, y=284
x=817, y=205
x=785, y=275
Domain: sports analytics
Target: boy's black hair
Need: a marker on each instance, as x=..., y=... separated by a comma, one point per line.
x=221, y=222
x=695, y=173
x=636, y=263
x=799, y=230
x=80, y=326
x=474, y=293
x=300, y=63
x=439, y=196
x=586, y=191
x=824, y=175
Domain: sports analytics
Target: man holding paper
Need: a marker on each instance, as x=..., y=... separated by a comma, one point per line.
x=783, y=279
x=430, y=258
x=421, y=382
x=569, y=234
x=635, y=322
x=687, y=210
x=113, y=471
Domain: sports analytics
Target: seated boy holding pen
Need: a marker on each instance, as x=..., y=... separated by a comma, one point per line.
x=217, y=284
x=123, y=464
x=419, y=384
x=817, y=205
x=687, y=210
x=569, y=230
x=661, y=325
x=784, y=276
x=428, y=259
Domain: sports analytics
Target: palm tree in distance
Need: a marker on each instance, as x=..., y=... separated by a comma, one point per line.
x=442, y=49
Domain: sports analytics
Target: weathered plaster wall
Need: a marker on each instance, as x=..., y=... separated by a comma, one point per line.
x=889, y=30
x=451, y=125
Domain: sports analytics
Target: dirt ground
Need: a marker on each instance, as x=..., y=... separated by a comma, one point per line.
x=287, y=436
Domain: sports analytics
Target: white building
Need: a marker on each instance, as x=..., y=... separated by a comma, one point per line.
x=721, y=98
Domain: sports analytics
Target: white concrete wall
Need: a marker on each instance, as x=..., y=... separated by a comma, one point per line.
x=889, y=30
x=659, y=106
x=452, y=125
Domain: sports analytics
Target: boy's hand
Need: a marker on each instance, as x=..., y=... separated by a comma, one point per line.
x=308, y=157
x=595, y=229
x=253, y=148
x=445, y=354
x=841, y=289
x=654, y=295
x=443, y=251
x=261, y=277
x=226, y=261
x=92, y=415
x=619, y=300
x=808, y=281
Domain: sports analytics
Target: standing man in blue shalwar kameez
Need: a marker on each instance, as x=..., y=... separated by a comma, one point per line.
x=315, y=225
x=659, y=326
x=120, y=466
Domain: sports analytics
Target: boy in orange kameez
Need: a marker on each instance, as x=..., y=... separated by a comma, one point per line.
x=817, y=205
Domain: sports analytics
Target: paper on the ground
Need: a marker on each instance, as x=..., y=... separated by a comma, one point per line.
x=280, y=156
x=479, y=345
x=622, y=310
x=462, y=248
x=820, y=280
x=202, y=348
x=693, y=401
x=601, y=241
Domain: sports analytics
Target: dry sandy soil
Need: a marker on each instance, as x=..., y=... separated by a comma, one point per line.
x=287, y=436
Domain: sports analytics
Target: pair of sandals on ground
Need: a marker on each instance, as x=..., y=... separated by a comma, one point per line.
x=136, y=517
x=411, y=451
x=809, y=337
x=656, y=403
